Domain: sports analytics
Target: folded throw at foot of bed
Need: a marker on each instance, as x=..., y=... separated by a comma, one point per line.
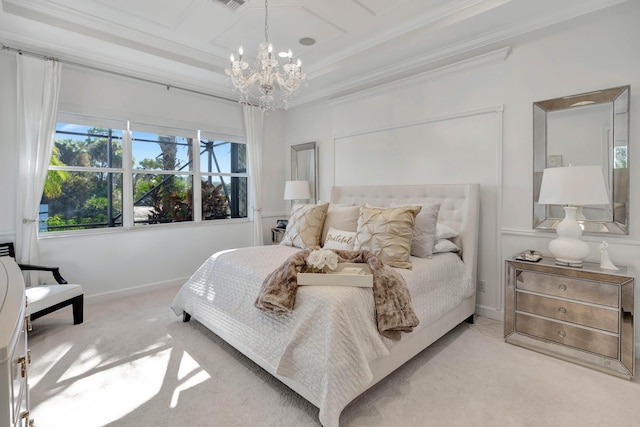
x=394, y=313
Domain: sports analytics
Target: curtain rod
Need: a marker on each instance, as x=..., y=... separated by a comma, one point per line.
x=116, y=73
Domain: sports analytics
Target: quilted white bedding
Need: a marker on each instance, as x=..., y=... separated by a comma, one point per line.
x=326, y=343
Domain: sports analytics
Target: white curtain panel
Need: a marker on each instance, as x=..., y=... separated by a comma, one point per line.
x=253, y=121
x=38, y=89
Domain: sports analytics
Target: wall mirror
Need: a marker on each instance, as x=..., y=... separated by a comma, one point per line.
x=304, y=166
x=581, y=130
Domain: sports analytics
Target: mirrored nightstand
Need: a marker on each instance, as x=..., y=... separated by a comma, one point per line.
x=276, y=235
x=583, y=315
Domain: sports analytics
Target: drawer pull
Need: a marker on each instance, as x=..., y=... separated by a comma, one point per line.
x=562, y=287
x=562, y=310
x=562, y=334
x=23, y=366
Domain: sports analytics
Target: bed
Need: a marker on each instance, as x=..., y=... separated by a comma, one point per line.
x=328, y=349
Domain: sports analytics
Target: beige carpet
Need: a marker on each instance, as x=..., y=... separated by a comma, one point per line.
x=133, y=363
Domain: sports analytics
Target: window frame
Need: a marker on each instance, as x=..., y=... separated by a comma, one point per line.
x=128, y=170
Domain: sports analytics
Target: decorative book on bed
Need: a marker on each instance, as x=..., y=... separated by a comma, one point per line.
x=328, y=348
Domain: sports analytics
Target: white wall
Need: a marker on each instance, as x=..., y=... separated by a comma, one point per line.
x=119, y=261
x=275, y=171
x=418, y=131
x=589, y=53
x=595, y=52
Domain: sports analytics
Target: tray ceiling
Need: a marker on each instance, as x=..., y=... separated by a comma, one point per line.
x=359, y=43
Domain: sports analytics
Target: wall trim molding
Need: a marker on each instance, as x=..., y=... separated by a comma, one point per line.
x=7, y=235
x=493, y=300
x=433, y=119
x=547, y=235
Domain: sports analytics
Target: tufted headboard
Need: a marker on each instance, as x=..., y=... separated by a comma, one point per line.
x=459, y=208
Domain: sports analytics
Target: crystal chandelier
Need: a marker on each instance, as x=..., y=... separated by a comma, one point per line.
x=268, y=83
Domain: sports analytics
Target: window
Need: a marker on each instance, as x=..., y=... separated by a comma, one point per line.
x=87, y=177
x=162, y=177
x=223, y=172
x=83, y=188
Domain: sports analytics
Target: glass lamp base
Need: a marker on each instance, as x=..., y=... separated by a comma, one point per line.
x=568, y=263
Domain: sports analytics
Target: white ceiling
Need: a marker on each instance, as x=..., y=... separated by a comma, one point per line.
x=359, y=43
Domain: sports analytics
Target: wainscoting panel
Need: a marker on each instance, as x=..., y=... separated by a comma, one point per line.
x=458, y=148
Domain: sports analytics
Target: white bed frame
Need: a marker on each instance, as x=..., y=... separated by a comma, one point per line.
x=459, y=208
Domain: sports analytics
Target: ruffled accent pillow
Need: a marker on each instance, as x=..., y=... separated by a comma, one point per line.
x=305, y=226
x=341, y=217
x=424, y=232
x=387, y=233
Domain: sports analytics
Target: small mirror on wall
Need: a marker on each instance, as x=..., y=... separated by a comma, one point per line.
x=304, y=166
x=585, y=130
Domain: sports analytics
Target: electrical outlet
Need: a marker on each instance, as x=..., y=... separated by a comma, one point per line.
x=482, y=286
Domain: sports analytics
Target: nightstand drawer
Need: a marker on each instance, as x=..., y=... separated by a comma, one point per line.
x=581, y=314
x=584, y=339
x=567, y=287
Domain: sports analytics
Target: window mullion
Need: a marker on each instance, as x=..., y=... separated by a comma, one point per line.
x=127, y=179
x=197, y=180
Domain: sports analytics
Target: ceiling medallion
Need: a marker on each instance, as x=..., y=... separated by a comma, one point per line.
x=268, y=83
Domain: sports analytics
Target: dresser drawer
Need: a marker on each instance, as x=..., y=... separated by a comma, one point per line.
x=574, y=336
x=581, y=314
x=567, y=287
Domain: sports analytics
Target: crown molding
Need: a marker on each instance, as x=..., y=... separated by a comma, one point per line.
x=484, y=60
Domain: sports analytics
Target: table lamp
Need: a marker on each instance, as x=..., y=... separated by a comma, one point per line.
x=573, y=186
x=296, y=190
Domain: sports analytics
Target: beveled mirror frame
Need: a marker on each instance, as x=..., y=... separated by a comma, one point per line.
x=616, y=140
x=303, y=171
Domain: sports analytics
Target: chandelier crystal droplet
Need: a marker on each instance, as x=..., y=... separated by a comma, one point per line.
x=268, y=83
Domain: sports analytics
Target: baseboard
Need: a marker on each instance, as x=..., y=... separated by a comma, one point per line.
x=490, y=312
x=121, y=293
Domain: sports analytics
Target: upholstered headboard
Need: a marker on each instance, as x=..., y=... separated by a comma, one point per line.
x=459, y=208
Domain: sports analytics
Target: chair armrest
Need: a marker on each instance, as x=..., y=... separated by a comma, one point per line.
x=54, y=270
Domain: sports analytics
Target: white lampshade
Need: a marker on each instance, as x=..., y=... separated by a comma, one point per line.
x=574, y=186
x=296, y=190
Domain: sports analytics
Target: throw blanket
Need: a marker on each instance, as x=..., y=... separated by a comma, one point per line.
x=394, y=313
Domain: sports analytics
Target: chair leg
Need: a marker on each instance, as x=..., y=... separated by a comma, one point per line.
x=78, y=309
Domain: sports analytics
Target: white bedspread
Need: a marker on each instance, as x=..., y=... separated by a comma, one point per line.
x=329, y=338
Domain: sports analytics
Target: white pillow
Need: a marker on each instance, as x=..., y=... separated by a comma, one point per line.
x=445, y=232
x=445, y=245
x=424, y=230
x=341, y=217
x=340, y=239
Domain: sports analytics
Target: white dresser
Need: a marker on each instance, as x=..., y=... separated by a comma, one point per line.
x=14, y=355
